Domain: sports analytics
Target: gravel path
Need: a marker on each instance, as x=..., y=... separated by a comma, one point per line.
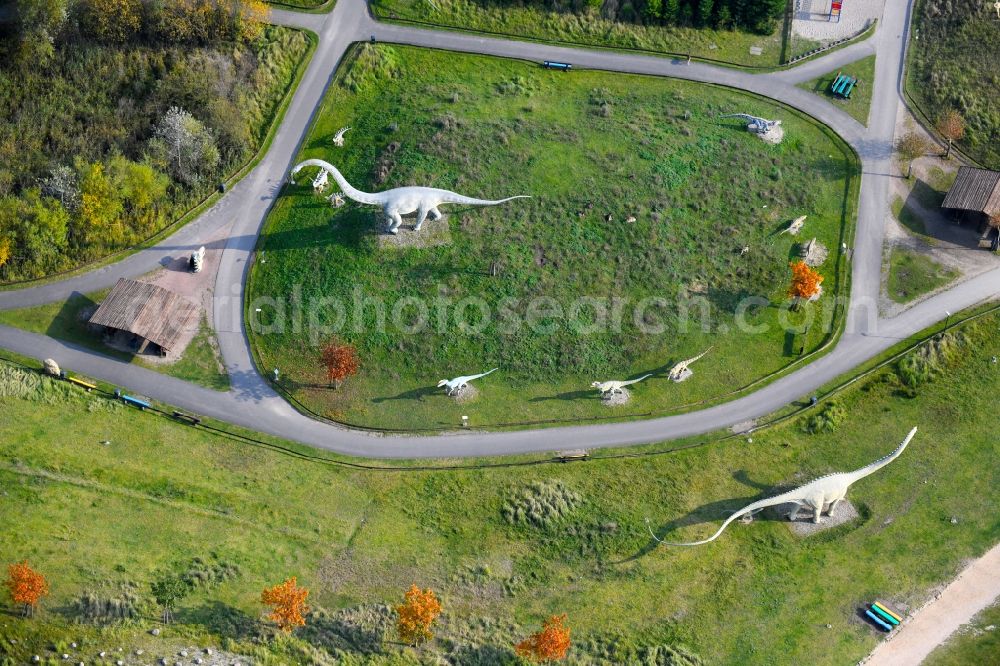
x=975, y=588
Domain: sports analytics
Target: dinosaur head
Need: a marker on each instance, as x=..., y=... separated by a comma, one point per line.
x=443, y=382
x=596, y=385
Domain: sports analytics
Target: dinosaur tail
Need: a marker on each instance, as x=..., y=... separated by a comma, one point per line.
x=882, y=462
x=759, y=504
x=638, y=379
x=351, y=192
x=488, y=372
x=453, y=198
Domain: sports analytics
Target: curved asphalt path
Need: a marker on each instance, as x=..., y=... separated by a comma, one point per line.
x=253, y=404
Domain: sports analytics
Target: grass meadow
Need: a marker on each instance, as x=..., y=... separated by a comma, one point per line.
x=105, y=497
x=699, y=187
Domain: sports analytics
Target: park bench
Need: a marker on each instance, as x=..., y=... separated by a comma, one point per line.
x=79, y=382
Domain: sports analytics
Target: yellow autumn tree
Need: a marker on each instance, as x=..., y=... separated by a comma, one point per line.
x=6, y=249
x=113, y=20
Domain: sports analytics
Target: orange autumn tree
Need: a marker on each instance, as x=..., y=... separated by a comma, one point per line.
x=26, y=586
x=805, y=282
x=549, y=644
x=416, y=614
x=340, y=361
x=288, y=604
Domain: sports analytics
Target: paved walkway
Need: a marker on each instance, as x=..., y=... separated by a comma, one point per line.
x=977, y=587
x=252, y=402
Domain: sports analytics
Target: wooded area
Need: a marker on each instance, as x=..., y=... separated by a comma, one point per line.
x=748, y=15
x=116, y=116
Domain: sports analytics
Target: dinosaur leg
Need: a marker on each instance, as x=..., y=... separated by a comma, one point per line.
x=421, y=216
x=833, y=505
x=435, y=214
x=394, y=221
x=794, y=513
x=817, y=512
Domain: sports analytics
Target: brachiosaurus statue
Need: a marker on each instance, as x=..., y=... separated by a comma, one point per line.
x=400, y=201
x=616, y=386
x=453, y=386
x=819, y=494
x=677, y=372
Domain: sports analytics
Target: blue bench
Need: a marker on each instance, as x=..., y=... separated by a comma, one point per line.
x=132, y=400
x=564, y=66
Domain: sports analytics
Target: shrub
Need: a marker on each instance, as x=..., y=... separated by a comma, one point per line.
x=930, y=360
x=540, y=504
x=826, y=420
x=110, y=605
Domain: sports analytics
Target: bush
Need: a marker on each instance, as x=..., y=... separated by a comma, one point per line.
x=826, y=420
x=540, y=504
x=930, y=360
x=110, y=605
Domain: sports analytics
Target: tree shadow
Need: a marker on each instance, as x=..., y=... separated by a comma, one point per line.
x=567, y=396
x=714, y=512
x=417, y=394
x=335, y=633
x=222, y=620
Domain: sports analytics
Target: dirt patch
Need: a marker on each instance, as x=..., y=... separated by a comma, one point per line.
x=434, y=233
x=467, y=393
x=803, y=526
x=812, y=19
x=616, y=398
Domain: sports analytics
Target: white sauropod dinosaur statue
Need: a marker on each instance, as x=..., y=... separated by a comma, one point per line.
x=400, y=201
x=338, y=138
x=616, y=386
x=821, y=495
x=681, y=371
x=453, y=386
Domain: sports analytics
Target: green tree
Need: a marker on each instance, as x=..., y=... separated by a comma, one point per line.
x=35, y=229
x=168, y=589
x=143, y=191
x=36, y=25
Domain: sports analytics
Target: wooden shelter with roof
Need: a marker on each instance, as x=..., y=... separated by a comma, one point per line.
x=975, y=196
x=152, y=314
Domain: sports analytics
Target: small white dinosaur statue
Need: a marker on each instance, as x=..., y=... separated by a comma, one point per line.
x=821, y=495
x=320, y=181
x=795, y=226
x=400, y=201
x=679, y=370
x=453, y=386
x=338, y=139
x=616, y=386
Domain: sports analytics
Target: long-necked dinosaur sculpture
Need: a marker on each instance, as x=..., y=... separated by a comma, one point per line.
x=400, y=201
x=821, y=495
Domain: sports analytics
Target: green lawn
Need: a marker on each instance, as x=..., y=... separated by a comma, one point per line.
x=912, y=274
x=974, y=644
x=587, y=27
x=200, y=363
x=949, y=68
x=95, y=516
x=699, y=187
x=861, y=96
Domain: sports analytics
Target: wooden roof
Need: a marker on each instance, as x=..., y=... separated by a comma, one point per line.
x=975, y=189
x=149, y=311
